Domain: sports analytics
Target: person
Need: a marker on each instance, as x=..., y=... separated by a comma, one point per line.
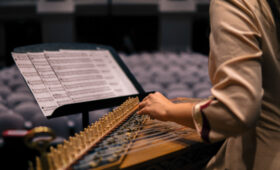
x=244, y=68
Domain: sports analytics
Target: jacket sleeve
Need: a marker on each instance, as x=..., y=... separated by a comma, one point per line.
x=235, y=72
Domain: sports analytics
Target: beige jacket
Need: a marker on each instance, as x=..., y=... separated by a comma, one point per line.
x=244, y=67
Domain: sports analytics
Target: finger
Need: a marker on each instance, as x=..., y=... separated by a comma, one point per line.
x=146, y=98
x=142, y=104
x=151, y=95
x=144, y=111
x=145, y=103
x=151, y=117
x=157, y=93
x=160, y=95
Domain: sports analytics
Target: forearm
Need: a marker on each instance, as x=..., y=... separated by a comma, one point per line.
x=181, y=113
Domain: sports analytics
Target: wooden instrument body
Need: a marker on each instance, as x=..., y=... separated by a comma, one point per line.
x=162, y=153
x=158, y=149
x=124, y=140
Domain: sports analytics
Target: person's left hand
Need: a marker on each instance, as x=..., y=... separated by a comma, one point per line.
x=156, y=106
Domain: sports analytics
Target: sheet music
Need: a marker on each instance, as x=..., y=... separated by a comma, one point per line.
x=49, y=78
x=35, y=83
x=72, y=76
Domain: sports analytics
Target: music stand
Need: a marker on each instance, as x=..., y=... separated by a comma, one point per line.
x=85, y=107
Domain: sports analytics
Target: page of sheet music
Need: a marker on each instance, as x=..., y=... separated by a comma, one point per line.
x=41, y=93
x=72, y=76
x=49, y=78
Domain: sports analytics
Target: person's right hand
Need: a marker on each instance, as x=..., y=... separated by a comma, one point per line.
x=156, y=106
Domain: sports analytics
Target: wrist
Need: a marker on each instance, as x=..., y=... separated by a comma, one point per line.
x=181, y=113
x=171, y=112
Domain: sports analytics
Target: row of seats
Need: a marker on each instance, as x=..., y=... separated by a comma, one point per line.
x=182, y=73
x=173, y=74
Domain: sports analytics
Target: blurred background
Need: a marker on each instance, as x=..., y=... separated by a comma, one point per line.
x=127, y=25
x=163, y=42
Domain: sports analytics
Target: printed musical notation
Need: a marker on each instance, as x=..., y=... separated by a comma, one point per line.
x=64, y=77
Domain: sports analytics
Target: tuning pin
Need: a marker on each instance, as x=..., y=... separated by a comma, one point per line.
x=59, y=147
x=94, y=132
x=92, y=135
x=112, y=117
x=66, y=155
x=86, y=132
x=65, y=142
x=52, y=149
x=117, y=110
x=78, y=143
x=100, y=132
x=106, y=123
x=38, y=163
x=71, y=140
x=54, y=157
x=61, y=154
x=82, y=141
x=55, y=161
x=88, y=136
x=59, y=159
x=50, y=161
x=70, y=149
x=102, y=123
x=109, y=118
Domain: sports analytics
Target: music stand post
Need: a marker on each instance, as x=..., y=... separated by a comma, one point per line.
x=85, y=118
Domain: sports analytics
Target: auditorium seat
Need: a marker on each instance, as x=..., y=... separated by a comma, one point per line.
x=2, y=101
x=5, y=76
x=179, y=93
x=203, y=94
x=23, y=89
x=3, y=109
x=5, y=91
x=16, y=83
x=28, y=109
x=155, y=70
x=165, y=79
x=143, y=79
x=11, y=121
x=16, y=98
x=178, y=86
x=189, y=79
x=202, y=86
x=177, y=71
x=154, y=87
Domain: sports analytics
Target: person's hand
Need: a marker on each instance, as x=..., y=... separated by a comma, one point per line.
x=156, y=106
x=159, y=107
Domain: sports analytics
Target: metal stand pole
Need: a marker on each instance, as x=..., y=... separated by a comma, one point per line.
x=85, y=117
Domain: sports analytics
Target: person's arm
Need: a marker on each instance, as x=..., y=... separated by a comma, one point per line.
x=235, y=60
x=159, y=107
x=235, y=71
